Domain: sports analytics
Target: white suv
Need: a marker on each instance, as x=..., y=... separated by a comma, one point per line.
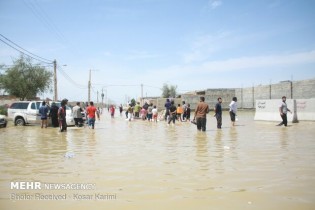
x=24, y=112
x=27, y=112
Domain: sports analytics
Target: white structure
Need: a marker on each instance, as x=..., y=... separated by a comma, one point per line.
x=305, y=109
x=302, y=109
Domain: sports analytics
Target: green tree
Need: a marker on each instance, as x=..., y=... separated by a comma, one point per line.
x=1, y=75
x=133, y=102
x=173, y=91
x=25, y=80
x=169, y=91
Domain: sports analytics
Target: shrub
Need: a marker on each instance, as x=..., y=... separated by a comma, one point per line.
x=3, y=110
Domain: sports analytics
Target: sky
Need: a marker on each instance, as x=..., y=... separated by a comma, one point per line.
x=193, y=44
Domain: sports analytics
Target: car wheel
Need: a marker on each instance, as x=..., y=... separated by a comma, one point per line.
x=19, y=121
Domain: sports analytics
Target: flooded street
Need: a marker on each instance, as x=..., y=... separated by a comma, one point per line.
x=142, y=165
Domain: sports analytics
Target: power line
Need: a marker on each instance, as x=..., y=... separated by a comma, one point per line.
x=111, y=85
x=93, y=90
x=40, y=15
x=152, y=87
x=49, y=20
x=23, y=52
x=25, y=49
x=67, y=77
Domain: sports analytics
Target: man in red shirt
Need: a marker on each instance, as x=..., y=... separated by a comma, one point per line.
x=91, y=112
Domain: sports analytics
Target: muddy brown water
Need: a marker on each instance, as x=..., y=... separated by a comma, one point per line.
x=142, y=165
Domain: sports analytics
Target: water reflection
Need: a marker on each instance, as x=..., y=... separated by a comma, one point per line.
x=233, y=132
x=284, y=138
x=202, y=156
x=219, y=152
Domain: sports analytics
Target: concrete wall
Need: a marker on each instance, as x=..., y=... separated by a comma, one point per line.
x=281, y=89
x=247, y=96
x=304, y=89
x=211, y=98
x=302, y=110
x=298, y=89
x=268, y=110
x=305, y=109
x=193, y=100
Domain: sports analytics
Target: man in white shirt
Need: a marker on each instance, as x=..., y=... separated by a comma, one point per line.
x=77, y=115
x=233, y=110
x=283, y=109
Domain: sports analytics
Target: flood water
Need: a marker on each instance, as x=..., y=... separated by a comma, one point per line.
x=142, y=165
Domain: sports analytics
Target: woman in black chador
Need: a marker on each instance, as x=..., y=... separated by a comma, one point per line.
x=54, y=115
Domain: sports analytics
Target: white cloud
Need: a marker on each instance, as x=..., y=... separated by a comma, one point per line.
x=205, y=45
x=202, y=47
x=215, y=4
x=259, y=62
x=185, y=72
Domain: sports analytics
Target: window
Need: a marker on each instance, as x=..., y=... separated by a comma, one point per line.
x=14, y=106
x=38, y=104
x=33, y=106
x=22, y=105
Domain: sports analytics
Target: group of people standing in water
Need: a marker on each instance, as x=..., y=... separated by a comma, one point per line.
x=181, y=112
x=149, y=112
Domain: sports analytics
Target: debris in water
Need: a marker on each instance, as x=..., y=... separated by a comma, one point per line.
x=69, y=155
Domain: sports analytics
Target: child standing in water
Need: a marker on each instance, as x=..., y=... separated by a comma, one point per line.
x=112, y=111
x=188, y=112
x=179, y=112
x=130, y=112
x=149, y=115
x=120, y=109
x=143, y=113
x=155, y=113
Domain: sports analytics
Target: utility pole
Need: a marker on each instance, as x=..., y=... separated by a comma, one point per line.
x=141, y=94
x=102, y=95
x=97, y=98
x=106, y=99
x=291, y=86
x=253, y=92
x=89, y=87
x=242, y=97
x=55, y=81
x=270, y=89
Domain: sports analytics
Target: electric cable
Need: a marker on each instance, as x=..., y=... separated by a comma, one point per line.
x=24, y=52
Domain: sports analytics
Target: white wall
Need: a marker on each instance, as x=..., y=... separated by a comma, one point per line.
x=302, y=109
x=305, y=109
